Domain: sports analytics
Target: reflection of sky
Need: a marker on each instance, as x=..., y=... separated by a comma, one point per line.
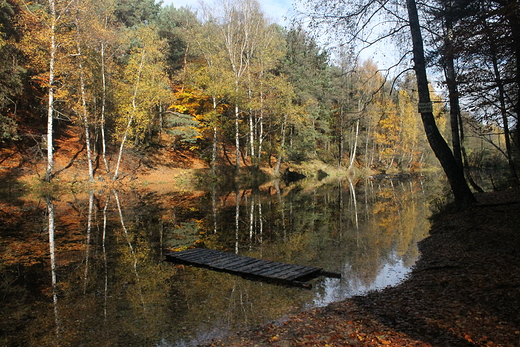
x=334, y=289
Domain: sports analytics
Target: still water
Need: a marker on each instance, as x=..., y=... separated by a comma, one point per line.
x=88, y=269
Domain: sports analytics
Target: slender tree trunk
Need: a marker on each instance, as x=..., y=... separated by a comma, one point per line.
x=251, y=128
x=103, y=109
x=260, y=132
x=131, y=118
x=214, y=150
x=84, y=110
x=237, y=218
x=87, y=242
x=52, y=256
x=237, y=140
x=353, y=154
x=50, y=107
x=513, y=17
x=121, y=147
x=453, y=95
x=463, y=195
x=503, y=111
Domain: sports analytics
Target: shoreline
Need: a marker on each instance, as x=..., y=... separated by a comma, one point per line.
x=463, y=291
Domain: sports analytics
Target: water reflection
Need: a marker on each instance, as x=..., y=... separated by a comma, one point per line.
x=92, y=272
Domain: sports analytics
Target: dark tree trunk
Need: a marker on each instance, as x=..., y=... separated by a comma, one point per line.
x=452, y=93
x=463, y=195
x=513, y=17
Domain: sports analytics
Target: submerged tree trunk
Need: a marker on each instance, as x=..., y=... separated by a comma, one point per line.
x=462, y=193
x=237, y=140
x=354, y=149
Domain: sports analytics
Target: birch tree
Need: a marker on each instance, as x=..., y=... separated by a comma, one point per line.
x=240, y=26
x=142, y=86
x=85, y=118
x=211, y=73
x=51, y=89
x=48, y=47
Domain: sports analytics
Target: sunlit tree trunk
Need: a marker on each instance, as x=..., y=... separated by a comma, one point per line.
x=130, y=117
x=260, y=128
x=251, y=129
x=237, y=139
x=84, y=109
x=354, y=149
x=50, y=105
x=251, y=221
x=103, y=108
x=214, y=149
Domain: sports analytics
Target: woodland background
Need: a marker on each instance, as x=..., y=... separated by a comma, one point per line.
x=225, y=83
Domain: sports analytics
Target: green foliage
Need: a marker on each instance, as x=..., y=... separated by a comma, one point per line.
x=172, y=24
x=142, y=85
x=136, y=12
x=239, y=80
x=181, y=126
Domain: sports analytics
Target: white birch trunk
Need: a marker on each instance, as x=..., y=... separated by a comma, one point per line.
x=214, y=152
x=130, y=120
x=103, y=108
x=353, y=154
x=50, y=107
x=237, y=139
x=84, y=110
x=260, y=129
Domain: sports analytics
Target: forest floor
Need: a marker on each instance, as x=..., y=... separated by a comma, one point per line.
x=464, y=291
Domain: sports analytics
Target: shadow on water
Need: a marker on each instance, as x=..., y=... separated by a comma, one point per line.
x=88, y=268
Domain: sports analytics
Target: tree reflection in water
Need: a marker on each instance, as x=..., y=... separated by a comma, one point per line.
x=108, y=285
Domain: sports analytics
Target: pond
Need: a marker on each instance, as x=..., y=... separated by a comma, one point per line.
x=88, y=269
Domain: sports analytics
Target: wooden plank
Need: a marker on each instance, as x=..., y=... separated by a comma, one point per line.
x=233, y=261
x=248, y=266
x=197, y=258
x=280, y=272
x=273, y=270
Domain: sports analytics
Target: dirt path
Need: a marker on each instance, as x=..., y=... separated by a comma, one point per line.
x=464, y=291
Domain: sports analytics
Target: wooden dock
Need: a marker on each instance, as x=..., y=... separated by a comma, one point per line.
x=254, y=268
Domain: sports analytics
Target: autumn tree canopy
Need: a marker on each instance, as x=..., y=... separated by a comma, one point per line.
x=239, y=90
